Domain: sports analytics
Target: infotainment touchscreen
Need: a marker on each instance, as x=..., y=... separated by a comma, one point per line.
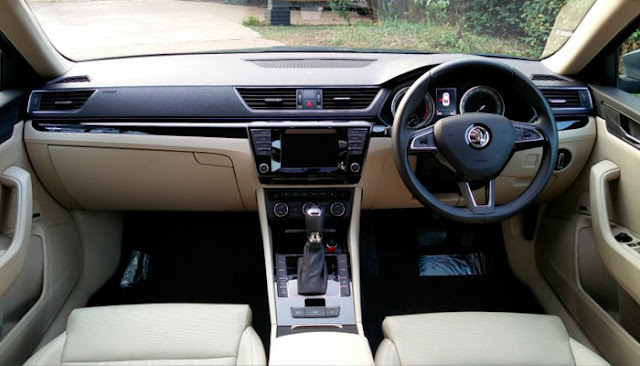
x=309, y=148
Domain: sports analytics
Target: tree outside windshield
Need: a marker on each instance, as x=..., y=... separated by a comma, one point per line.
x=90, y=29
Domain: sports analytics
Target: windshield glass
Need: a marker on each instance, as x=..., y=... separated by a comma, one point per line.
x=91, y=29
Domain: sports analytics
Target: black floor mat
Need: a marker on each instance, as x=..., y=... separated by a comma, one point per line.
x=391, y=244
x=194, y=258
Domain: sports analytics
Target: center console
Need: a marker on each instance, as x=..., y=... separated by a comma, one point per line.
x=310, y=237
x=322, y=305
x=288, y=217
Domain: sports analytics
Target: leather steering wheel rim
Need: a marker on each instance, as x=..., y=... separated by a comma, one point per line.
x=543, y=126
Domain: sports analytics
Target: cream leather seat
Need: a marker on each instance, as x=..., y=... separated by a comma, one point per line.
x=156, y=334
x=474, y=338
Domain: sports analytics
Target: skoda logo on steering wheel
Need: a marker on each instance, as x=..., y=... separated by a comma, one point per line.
x=477, y=137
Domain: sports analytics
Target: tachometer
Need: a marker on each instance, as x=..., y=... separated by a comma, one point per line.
x=482, y=99
x=421, y=115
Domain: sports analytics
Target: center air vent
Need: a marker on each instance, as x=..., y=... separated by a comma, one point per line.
x=348, y=98
x=567, y=98
x=60, y=100
x=269, y=98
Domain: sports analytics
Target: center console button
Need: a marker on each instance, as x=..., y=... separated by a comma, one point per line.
x=297, y=313
x=280, y=209
x=263, y=168
x=337, y=209
x=332, y=312
x=315, y=312
x=354, y=167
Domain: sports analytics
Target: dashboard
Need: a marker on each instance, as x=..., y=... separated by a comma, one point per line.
x=204, y=135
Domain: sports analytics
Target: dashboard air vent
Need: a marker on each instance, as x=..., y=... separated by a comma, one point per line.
x=74, y=79
x=565, y=98
x=269, y=98
x=60, y=100
x=348, y=98
x=545, y=77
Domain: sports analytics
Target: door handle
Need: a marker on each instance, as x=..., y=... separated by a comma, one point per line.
x=12, y=259
x=622, y=262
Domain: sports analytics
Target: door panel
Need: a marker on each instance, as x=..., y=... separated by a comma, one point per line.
x=40, y=251
x=595, y=275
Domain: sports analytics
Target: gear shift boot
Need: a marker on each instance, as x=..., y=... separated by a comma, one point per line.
x=312, y=270
x=312, y=267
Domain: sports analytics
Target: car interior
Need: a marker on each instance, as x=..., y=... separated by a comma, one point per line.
x=440, y=208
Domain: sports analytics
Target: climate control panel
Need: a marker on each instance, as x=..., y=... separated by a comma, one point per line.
x=291, y=203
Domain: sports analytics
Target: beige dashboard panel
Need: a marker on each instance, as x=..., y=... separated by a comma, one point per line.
x=130, y=179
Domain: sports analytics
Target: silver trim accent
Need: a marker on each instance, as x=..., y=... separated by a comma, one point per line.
x=164, y=124
x=422, y=148
x=337, y=203
x=489, y=207
x=428, y=99
x=466, y=95
x=285, y=205
x=530, y=128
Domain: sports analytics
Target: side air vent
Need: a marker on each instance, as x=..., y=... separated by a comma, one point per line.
x=73, y=79
x=269, y=98
x=60, y=100
x=545, y=77
x=568, y=98
x=356, y=98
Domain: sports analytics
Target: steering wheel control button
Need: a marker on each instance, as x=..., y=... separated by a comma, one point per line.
x=337, y=209
x=478, y=137
x=623, y=238
x=281, y=209
x=263, y=168
x=354, y=167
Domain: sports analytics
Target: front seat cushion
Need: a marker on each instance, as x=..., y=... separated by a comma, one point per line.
x=156, y=334
x=476, y=338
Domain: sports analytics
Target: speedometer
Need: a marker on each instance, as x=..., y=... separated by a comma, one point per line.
x=421, y=115
x=482, y=99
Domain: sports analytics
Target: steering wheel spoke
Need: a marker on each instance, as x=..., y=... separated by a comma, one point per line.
x=528, y=136
x=479, y=209
x=422, y=141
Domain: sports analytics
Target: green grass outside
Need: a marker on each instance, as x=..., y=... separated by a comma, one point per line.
x=396, y=35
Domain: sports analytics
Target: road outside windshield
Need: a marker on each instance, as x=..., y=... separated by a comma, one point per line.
x=92, y=29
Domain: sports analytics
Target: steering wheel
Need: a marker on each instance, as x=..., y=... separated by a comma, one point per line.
x=476, y=145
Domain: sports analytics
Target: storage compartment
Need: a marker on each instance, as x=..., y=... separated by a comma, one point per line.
x=321, y=348
x=132, y=179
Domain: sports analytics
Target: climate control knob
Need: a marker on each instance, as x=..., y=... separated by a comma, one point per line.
x=306, y=207
x=281, y=209
x=337, y=209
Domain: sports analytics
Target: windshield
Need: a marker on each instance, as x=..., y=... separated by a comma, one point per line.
x=91, y=29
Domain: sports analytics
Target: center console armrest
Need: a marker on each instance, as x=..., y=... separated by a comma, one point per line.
x=321, y=348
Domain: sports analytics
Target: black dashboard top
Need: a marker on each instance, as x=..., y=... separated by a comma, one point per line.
x=210, y=86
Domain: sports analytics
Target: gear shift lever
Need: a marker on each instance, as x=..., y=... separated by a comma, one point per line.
x=312, y=268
